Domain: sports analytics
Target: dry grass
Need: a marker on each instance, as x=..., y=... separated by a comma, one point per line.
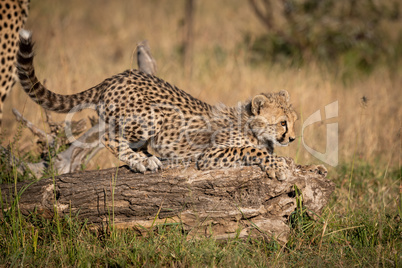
x=79, y=43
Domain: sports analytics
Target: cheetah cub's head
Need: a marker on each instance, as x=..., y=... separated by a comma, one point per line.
x=273, y=118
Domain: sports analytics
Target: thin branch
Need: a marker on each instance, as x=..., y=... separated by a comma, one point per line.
x=34, y=129
x=265, y=18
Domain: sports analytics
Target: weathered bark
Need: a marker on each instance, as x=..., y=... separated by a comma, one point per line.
x=222, y=203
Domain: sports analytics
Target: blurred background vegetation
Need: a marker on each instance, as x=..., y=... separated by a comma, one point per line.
x=337, y=33
x=228, y=50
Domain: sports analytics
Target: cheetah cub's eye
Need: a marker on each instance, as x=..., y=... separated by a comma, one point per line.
x=283, y=123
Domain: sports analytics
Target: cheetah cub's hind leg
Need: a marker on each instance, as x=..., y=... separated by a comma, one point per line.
x=137, y=160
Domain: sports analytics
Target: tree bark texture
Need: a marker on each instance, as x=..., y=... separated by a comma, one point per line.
x=221, y=203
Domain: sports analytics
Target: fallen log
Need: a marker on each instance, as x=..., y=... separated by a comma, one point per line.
x=222, y=203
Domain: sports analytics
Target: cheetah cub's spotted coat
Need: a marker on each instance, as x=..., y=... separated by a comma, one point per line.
x=13, y=15
x=149, y=120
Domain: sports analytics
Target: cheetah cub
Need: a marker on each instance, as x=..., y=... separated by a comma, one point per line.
x=150, y=120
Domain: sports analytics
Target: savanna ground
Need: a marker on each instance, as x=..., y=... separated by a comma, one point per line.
x=80, y=43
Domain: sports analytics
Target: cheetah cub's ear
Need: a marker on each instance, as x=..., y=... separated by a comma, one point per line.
x=258, y=103
x=284, y=95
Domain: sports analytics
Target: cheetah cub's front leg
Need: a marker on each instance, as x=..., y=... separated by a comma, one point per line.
x=274, y=166
x=137, y=161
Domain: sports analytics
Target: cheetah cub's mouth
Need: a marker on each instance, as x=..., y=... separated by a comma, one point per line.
x=269, y=142
x=282, y=143
x=276, y=143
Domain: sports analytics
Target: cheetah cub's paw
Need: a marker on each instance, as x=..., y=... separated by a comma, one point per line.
x=278, y=170
x=151, y=163
x=319, y=169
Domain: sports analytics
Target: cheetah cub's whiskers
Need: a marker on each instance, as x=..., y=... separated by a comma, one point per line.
x=149, y=119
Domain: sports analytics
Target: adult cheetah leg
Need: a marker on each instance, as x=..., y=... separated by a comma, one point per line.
x=1, y=113
x=137, y=161
x=274, y=166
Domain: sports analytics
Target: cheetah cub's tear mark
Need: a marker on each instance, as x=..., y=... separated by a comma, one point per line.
x=150, y=119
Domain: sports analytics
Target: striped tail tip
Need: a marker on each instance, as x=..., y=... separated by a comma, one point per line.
x=25, y=35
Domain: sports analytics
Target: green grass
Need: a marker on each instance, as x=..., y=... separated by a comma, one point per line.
x=364, y=232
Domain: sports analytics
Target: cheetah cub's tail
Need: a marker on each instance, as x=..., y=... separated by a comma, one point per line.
x=38, y=92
